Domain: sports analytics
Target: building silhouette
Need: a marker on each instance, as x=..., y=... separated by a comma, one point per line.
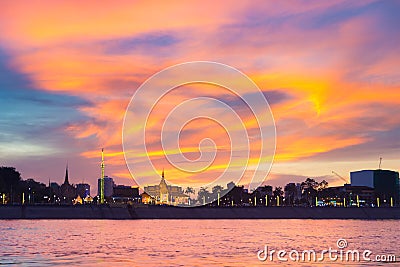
x=125, y=194
x=348, y=195
x=83, y=190
x=385, y=183
x=55, y=191
x=108, y=187
x=67, y=190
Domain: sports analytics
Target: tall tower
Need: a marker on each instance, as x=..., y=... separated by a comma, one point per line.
x=66, y=181
x=164, y=192
x=102, y=178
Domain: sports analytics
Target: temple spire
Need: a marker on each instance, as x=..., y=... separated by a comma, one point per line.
x=66, y=175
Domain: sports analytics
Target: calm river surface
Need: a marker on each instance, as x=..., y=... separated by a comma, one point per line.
x=188, y=242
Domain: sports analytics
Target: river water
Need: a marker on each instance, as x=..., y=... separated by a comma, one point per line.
x=192, y=242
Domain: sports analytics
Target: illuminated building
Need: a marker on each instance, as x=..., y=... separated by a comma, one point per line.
x=166, y=194
x=78, y=200
x=88, y=199
x=346, y=195
x=146, y=198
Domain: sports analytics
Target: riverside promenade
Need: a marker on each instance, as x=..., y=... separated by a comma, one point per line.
x=168, y=212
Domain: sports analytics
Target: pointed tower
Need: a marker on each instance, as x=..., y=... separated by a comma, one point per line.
x=66, y=181
x=66, y=189
x=164, y=193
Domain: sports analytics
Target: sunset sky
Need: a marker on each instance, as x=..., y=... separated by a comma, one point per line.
x=329, y=69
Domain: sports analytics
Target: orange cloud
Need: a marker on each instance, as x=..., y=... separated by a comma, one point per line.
x=102, y=53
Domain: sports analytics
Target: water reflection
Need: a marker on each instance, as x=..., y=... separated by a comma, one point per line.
x=182, y=242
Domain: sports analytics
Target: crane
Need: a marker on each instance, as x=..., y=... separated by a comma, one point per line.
x=341, y=177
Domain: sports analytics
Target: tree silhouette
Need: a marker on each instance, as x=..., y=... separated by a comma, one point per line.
x=189, y=190
x=322, y=185
x=217, y=189
x=9, y=181
x=278, y=192
x=203, y=194
x=312, y=188
x=291, y=191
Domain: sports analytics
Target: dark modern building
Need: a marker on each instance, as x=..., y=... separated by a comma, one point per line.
x=123, y=193
x=108, y=186
x=384, y=182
